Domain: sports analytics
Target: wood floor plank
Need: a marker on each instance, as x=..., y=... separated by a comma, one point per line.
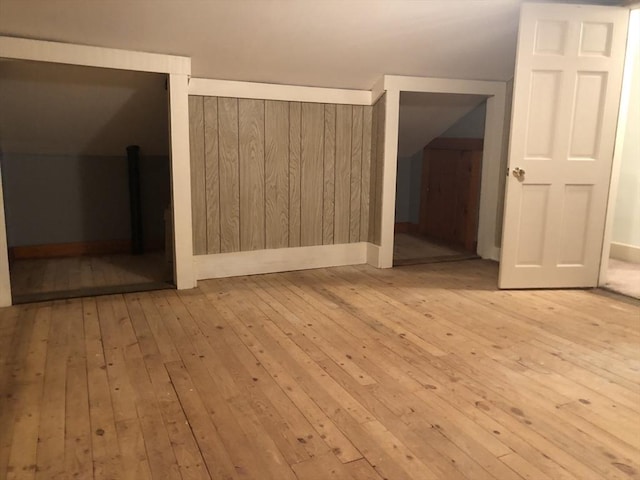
x=51, y=434
x=28, y=398
x=104, y=438
x=188, y=456
x=420, y=372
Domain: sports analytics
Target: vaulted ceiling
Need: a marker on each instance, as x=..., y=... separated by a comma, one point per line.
x=327, y=43
x=330, y=43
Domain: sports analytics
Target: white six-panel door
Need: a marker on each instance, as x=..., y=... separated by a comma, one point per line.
x=566, y=97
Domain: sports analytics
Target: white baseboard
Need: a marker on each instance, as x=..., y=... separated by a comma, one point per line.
x=278, y=260
x=373, y=254
x=627, y=253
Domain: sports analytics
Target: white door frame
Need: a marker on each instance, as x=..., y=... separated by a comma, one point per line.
x=178, y=70
x=492, y=156
x=633, y=47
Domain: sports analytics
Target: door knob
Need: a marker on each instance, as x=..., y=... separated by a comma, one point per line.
x=518, y=173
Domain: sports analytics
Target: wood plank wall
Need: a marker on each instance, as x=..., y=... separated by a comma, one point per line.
x=377, y=161
x=274, y=174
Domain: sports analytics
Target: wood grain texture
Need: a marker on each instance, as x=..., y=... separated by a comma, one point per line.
x=295, y=115
x=379, y=169
x=344, y=120
x=212, y=173
x=229, y=175
x=373, y=172
x=198, y=187
x=312, y=171
x=331, y=373
x=356, y=173
x=251, y=158
x=276, y=174
x=328, y=213
x=365, y=188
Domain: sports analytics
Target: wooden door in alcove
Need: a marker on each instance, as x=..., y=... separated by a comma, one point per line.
x=450, y=191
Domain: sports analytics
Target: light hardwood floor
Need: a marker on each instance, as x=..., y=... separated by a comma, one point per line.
x=423, y=372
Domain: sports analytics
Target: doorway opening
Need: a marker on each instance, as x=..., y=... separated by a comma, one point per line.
x=621, y=265
x=72, y=186
x=440, y=145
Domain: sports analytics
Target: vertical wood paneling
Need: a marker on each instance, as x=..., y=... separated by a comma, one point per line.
x=373, y=172
x=294, y=173
x=252, y=199
x=229, y=175
x=312, y=172
x=277, y=174
x=343, y=173
x=379, y=169
x=212, y=174
x=198, y=203
x=365, y=197
x=356, y=173
x=276, y=128
x=329, y=174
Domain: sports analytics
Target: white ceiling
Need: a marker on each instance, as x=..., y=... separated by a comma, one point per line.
x=330, y=43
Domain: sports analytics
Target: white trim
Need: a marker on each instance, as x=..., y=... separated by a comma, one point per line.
x=492, y=154
x=268, y=91
x=5, y=279
x=373, y=254
x=178, y=69
x=44, y=51
x=279, y=260
x=633, y=47
x=627, y=253
x=441, y=85
x=181, y=182
x=377, y=90
x=389, y=172
x=490, y=182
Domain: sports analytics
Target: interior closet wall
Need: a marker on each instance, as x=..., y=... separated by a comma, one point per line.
x=377, y=167
x=275, y=174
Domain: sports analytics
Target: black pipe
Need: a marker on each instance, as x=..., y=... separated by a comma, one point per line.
x=133, y=158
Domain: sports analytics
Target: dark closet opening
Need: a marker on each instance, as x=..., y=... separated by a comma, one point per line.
x=438, y=185
x=68, y=186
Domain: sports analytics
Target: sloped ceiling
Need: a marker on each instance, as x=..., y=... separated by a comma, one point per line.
x=425, y=116
x=330, y=43
x=47, y=108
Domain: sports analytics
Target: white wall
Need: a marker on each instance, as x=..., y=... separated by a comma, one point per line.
x=469, y=126
x=48, y=108
x=626, y=226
